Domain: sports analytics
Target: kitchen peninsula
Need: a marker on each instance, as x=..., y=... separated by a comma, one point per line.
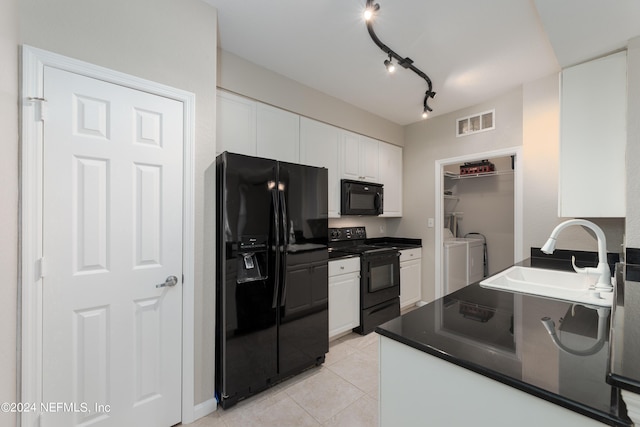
x=484, y=357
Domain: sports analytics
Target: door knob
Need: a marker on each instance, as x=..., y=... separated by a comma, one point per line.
x=170, y=281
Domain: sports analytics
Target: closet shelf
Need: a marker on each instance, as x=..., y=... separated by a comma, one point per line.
x=477, y=175
x=450, y=197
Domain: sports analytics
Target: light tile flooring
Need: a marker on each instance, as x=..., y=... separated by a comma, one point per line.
x=341, y=392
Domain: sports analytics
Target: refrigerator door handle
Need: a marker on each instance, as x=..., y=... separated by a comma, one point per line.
x=285, y=243
x=285, y=221
x=276, y=244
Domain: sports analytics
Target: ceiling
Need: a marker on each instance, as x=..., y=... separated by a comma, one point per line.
x=472, y=50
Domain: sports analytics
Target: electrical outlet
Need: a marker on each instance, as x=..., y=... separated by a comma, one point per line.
x=382, y=229
x=431, y=223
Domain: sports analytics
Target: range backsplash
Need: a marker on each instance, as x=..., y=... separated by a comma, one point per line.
x=376, y=227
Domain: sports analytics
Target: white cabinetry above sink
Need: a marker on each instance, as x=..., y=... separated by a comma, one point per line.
x=593, y=110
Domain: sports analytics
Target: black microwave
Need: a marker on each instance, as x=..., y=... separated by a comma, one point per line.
x=361, y=198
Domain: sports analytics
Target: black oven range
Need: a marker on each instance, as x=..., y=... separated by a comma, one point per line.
x=379, y=275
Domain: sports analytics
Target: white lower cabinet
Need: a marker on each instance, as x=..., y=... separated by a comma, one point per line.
x=410, y=276
x=344, y=295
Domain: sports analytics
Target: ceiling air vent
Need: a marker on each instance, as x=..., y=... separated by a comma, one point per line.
x=476, y=123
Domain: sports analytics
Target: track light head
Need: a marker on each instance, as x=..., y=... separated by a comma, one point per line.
x=390, y=65
x=370, y=10
x=428, y=94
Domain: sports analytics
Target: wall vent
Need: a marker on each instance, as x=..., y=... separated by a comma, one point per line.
x=475, y=123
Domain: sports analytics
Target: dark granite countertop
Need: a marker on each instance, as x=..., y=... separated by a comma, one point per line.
x=500, y=335
x=625, y=336
x=396, y=242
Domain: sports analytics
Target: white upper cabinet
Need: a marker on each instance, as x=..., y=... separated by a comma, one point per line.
x=248, y=127
x=359, y=157
x=369, y=159
x=235, y=124
x=319, y=147
x=390, y=175
x=593, y=135
x=350, y=150
x=278, y=134
x=252, y=128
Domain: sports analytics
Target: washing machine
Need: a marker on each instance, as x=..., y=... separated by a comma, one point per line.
x=455, y=265
x=463, y=262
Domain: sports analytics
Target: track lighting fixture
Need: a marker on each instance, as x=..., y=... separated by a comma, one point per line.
x=370, y=11
x=390, y=65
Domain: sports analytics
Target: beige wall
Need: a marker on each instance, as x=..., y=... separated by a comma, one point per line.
x=9, y=205
x=237, y=75
x=168, y=41
x=434, y=139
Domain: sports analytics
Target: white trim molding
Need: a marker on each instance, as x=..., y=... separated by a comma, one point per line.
x=517, y=205
x=30, y=326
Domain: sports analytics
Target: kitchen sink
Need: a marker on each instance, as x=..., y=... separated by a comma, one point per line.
x=556, y=284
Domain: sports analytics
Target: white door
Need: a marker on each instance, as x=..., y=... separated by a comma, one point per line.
x=112, y=231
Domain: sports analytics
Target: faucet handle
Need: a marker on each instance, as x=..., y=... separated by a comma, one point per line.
x=577, y=269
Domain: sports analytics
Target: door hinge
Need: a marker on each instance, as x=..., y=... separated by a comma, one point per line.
x=41, y=108
x=41, y=268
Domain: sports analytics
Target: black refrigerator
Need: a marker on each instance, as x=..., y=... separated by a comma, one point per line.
x=272, y=317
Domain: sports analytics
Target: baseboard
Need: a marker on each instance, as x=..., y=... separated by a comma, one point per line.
x=205, y=408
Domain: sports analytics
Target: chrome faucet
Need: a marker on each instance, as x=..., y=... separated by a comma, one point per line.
x=603, y=284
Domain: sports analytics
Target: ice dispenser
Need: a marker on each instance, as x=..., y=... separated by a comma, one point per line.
x=252, y=259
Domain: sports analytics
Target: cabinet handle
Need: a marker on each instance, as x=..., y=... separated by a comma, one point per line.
x=342, y=267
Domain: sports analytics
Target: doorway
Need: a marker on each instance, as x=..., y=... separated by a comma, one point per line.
x=107, y=245
x=465, y=200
